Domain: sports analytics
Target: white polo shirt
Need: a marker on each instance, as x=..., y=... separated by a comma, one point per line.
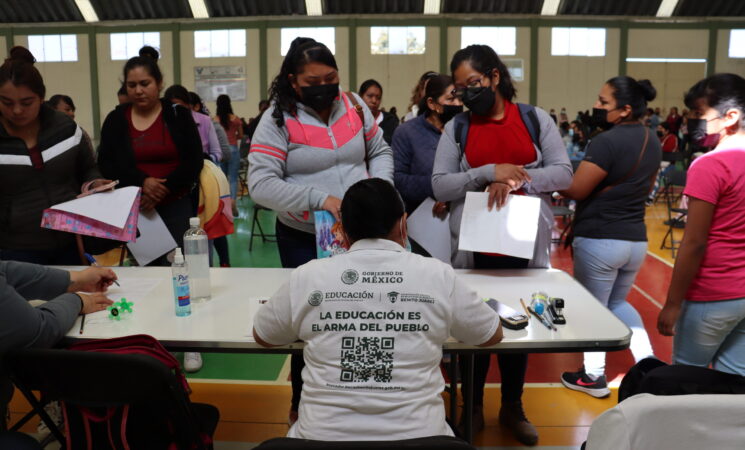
x=374, y=320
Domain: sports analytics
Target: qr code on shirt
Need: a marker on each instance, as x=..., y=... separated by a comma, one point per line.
x=367, y=358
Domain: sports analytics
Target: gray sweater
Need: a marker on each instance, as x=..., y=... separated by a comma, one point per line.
x=293, y=169
x=452, y=177
x=22, y=325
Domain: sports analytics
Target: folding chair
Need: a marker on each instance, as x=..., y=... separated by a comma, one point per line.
x=256, y=224
x=675, y=181
x=94, y=387
x=425, y=443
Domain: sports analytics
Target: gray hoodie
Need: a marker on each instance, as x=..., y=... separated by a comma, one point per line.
x=294, y=168
x=452, y=177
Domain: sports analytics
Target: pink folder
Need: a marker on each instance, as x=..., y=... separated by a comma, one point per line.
x=78, y=224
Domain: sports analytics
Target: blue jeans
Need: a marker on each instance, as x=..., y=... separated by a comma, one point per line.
x=711, y=333
x=607, y=268
x=231, y=170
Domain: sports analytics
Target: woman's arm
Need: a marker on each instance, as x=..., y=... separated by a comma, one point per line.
x=413, y=188
x=585, y=180
x=555, y=172
x=267, y=165
x=184, y=132
x=692, y=249
x=379, y=154
x=449, y=182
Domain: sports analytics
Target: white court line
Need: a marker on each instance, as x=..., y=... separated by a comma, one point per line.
x=647, y=296
x=659, y=258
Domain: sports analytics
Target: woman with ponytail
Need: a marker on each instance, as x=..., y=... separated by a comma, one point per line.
x=610, y=239
x=308, y=149
x=44, y=160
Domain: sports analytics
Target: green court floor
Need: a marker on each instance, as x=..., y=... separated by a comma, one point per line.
x=246, y=367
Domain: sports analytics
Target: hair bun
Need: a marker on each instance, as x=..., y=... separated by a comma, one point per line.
x=649, y=92
x=149, y=52
x=19, y=53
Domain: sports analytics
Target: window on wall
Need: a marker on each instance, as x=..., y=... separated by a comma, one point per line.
x=737, y=44
x=324, y=35
x=578, y=41
x=127, y=45
x=54, y=47
x=397, y=40
x=219, y=43
x=502, y=39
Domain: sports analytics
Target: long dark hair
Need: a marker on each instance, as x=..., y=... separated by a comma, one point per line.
x=56, y=98
x=721, y=91
x=194, y=100
x=435, y=88
x=224, y=110
x=302, y=51
x=148, y=58
x=19, y=69
x=484, y=60
x=636, y=94
x=370, y=209
x=178, y=92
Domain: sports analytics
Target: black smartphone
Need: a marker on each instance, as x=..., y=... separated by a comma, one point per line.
x=509, y=317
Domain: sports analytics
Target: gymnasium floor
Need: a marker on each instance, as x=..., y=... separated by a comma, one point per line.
x=253, y=391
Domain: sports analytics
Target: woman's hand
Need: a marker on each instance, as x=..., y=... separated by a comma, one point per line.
x=667, y=319
x=155, y=188
x=147, y=203
x=94, y=302
x=498, y=193
x=333, y=205
x=440, y=210
x=92, y=279
x=511, y=175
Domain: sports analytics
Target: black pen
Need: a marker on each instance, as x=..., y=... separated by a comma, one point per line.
x=82, y=324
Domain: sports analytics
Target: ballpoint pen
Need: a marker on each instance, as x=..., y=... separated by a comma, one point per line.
x=542, y=319
x=82, y=324
x=93, y=262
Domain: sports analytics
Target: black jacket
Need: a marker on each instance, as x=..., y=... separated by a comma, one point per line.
x=25, y=192
x=388, y=125
x=117, y=161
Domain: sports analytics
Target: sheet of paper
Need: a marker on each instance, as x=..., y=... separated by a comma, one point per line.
x=110, y=207
x=134, y=289
x=154, y=240
x=510, y=230
x=432, y=233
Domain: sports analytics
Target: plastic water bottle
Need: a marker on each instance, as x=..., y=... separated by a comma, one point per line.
x=196, y=249
x=180, y=284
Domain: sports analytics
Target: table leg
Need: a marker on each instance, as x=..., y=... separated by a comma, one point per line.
x=466, y=380
x=453, y=388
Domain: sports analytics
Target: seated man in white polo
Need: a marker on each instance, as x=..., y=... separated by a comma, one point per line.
x=374, y=321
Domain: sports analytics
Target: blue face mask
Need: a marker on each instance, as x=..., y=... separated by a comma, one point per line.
x=571, y=132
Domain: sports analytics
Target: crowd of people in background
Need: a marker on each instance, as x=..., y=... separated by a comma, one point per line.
x=606, y=160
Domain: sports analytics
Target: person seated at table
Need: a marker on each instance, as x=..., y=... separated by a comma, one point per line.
x=22, y=325
x=374, y=321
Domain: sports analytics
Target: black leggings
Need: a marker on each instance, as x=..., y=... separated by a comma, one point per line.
x=512, y=366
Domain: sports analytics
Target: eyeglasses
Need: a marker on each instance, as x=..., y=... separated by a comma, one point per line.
x=460, y=91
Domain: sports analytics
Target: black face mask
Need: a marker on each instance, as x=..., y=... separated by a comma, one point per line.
x=320, y=97
x=449, y=111
x=599, y=116
x=659, y=134
x=697, y=133
x=479, y=100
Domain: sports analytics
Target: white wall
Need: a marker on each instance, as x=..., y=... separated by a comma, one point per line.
x=724, y=62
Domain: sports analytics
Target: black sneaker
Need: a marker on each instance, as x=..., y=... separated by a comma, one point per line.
x=580, y=381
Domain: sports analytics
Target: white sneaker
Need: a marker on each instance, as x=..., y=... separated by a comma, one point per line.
x=192, y=361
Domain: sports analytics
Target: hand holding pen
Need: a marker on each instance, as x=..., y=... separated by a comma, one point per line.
x=94, y=263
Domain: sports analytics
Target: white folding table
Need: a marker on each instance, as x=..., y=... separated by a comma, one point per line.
x=224, y=323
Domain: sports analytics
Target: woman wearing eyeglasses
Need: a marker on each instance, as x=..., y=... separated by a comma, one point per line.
x=504, y=148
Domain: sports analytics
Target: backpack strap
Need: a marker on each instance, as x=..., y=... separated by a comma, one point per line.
x=357, y=107
x=461, y=123
x=530, y=119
